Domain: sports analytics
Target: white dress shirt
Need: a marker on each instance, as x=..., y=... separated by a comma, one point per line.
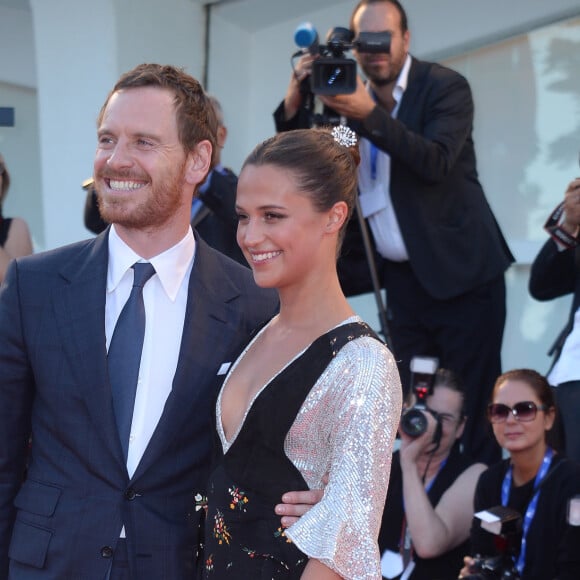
x=165, y=299
x=374, y=186
x=567, y=367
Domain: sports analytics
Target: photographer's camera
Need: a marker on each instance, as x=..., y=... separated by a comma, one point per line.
x=414, y=421
x=506, y=523
x=495, y=567
x=333, y=73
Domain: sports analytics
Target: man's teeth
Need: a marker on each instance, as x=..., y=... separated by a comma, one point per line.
x=265, y=256
x=125, y=185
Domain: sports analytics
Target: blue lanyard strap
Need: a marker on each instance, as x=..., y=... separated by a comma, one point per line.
x=531, y=509
x=373, y=160
x=430, y=484
x=373, y=150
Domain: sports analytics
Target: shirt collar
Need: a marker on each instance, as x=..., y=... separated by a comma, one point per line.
x=402, y=80
x=171, y=266
x=400, y=85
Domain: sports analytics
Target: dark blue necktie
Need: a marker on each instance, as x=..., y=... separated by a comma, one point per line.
x=124, y=356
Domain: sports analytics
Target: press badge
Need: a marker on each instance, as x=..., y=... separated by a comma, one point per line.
x=391, y=564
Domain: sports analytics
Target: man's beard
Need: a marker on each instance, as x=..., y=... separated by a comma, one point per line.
x=152, y=210
x=381, y=80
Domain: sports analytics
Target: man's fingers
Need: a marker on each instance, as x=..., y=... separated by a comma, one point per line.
x=308, y=497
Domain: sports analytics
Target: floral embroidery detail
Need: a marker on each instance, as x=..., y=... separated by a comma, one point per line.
x=281, y=533
x=200, y=502
x=220, y=530
x=239, y=498
x=209, y=563
x=253, y=555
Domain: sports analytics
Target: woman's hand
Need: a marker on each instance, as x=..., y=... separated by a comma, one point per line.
x=468, y=562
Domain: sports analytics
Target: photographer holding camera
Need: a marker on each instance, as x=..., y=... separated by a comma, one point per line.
x=535, y=481
x=429, y=506
x=439, y=250
x=556, y=272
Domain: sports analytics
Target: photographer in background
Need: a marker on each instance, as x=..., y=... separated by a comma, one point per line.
x=534, y=480
x=556, y=272
x=429, y=506
x=213, y=213
x=441, y=254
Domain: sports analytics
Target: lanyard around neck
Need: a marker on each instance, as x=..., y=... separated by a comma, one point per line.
x=531, y=509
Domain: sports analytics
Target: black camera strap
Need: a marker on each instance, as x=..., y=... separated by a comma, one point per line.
x=557, y=232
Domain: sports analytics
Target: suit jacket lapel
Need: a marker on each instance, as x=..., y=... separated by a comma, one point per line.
x=408, y=108
x=210, y=329
x=80, y=316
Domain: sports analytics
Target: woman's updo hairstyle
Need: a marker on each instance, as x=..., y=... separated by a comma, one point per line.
x=323, y=161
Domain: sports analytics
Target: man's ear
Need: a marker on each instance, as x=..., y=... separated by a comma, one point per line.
x=406, y=41
x=198, y=163
x=222, y=135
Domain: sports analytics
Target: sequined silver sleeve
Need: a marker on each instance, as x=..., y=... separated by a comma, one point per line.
x=347, y=427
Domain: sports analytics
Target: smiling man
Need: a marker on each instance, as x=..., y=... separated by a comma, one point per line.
x=121, y=432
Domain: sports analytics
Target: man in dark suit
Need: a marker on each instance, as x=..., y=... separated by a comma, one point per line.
x=94, y=504
x=439, y=250
x=213, y=213
x=556, y=272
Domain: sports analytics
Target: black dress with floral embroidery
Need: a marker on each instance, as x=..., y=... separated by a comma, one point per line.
x=244, y=537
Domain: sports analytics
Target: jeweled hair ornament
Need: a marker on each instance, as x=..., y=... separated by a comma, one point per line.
x=344, y=136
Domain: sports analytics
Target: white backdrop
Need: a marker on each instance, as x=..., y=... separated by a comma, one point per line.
x=64, y=55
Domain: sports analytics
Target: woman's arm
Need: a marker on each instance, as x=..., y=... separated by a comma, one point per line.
x=438, y=530
x=359, y=414
x=316, y=570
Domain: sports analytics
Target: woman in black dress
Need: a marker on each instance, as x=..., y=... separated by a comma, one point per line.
x=535, y=481
x=314, y=393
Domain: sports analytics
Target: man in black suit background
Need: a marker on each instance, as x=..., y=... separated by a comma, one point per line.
x=439, y=251
x=556, y=272
x=213, y=212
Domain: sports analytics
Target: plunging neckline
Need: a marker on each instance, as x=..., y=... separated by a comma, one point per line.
x=227, y=444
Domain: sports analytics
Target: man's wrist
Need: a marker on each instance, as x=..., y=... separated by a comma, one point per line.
x=556, y=227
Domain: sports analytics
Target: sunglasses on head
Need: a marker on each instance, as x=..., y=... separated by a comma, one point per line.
x=524, y=411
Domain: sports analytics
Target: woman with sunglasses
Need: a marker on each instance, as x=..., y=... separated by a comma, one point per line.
x=14, y=234
x=534, y=480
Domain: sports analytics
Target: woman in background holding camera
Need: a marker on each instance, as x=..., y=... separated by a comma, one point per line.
x=425, y=527
x=535, y=481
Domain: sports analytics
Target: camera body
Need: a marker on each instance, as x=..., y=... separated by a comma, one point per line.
x=414, y=421
x=505, y=522
x=496, y=567
x=333, y=73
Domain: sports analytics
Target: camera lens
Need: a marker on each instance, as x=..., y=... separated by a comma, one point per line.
x=414, y=423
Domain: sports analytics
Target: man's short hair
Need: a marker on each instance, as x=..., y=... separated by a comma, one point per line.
x=195, y=114
x=395, y=3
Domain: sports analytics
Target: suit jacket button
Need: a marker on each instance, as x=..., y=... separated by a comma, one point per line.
x=107, y=552
x=130, y=494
